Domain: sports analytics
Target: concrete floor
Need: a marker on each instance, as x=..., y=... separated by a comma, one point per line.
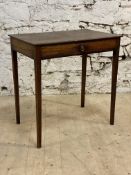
x=76, y=141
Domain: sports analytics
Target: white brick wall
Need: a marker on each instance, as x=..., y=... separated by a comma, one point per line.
x=64, y=75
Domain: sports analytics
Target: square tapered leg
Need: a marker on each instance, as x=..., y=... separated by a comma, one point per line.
x=83, y=82
x=113, y=85
x=16, y=84
x=37, y=65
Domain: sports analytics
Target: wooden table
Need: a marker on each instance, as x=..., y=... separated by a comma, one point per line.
x=50, y=45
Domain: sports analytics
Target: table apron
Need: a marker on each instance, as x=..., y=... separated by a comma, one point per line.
x=22, y=47
x=63, y=50
x=70, y=49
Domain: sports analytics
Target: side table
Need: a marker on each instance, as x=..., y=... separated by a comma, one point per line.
x=50, y=45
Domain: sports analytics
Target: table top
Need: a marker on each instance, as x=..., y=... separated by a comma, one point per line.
x=60, y=37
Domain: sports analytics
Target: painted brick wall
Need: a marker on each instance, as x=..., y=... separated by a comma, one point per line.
x=64, y=75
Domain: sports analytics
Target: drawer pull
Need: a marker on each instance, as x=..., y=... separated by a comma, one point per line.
x=82, y=48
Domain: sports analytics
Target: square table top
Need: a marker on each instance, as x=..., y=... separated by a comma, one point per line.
x=60, y=37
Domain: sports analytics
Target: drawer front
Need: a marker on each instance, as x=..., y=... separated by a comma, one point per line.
x=62, y=50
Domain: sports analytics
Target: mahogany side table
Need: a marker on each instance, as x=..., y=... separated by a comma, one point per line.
x=50, y=45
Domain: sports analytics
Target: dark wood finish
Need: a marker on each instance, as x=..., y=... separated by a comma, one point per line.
x=37, y=65
x=39, y=46
x=62, y=50
x=23, y=47
x=62, y=37
x=16, y=84
x=83, y=82
x=115, y=60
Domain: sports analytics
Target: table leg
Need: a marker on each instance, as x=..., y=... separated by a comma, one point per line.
x=114, y=81
x=83, y=82
x=37, y=65
x=16, y=84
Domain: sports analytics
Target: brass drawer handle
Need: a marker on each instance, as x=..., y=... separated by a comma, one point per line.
x=82, y=48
